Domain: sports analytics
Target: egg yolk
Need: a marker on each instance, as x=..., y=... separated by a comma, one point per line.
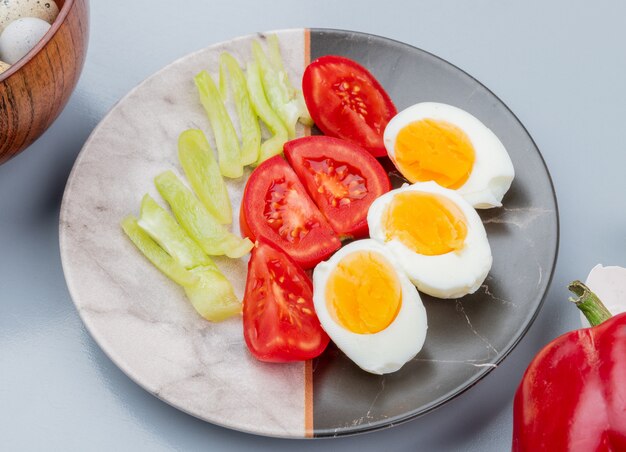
x=427, y=223
x=363, y=293
x=435, y=150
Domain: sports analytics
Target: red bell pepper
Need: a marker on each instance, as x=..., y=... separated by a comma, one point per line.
x=573, y=394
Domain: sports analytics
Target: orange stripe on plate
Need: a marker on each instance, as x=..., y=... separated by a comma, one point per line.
x=307, y=61
x=308, y=365
x=308, y=399
x=307, y=47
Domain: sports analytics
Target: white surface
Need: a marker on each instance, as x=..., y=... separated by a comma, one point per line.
x=553, y=63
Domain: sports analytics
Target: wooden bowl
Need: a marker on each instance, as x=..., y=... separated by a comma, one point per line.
x=35, y=89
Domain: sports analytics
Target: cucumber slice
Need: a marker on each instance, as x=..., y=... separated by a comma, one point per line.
x=213, y=296
x=155, y=254
x=305, y=116
x=210, y=293
x=276, y=59
x=164, y=230
x=248, y=120
x=198, y=162
x=223, y=83
x=276, y=90
x=273, y=145
x=203, y=227
x=229, y=154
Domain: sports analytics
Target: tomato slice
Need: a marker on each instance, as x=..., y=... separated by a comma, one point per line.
x=346, y=101
x=279, y=320
x=275, y=206
x=342, y=178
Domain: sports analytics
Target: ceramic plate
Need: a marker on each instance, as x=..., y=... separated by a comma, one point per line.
x=145, y=325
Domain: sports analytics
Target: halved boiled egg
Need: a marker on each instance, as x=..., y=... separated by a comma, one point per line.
x=368, y=307
x=437, y=142
x=435, y=236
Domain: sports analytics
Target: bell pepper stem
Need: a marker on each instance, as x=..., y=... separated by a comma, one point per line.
x=589, y=303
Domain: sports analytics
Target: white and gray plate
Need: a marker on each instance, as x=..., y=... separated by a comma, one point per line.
x=145, y=325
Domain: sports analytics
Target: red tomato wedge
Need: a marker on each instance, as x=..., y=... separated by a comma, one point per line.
x=276, y=207
x=346, y=101
x=279, y=321
x=342, y=178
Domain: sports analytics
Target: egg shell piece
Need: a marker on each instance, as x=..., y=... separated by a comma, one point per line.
x=609, y=284
x=20, y=37
x=492, y=173
x=388, y=350
x=4, y=66
x=11, y=10
x=449, y=275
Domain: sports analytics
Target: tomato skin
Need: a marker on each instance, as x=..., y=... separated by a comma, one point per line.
x=346, y=101
x=279, y=320
x=243, y=224
x=276, y=207
x=354, y=176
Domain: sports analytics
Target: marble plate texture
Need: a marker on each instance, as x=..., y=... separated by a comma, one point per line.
x=143, y=322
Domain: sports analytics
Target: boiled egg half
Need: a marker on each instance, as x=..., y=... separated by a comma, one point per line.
x=437, y=142
x=368, y=307
x=435, y=237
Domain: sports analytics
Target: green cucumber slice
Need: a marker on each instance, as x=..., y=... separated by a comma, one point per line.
x=213, y=296
x=201, y=226
x=155, y=254
x=276, y=90
x=164, y=230
x=273, y=145
x=248, y=120
x=229, y=154
x=197, y=159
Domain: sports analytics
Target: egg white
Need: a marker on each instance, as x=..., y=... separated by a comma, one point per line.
x=389, y=349
x=449, y=275
x=492, y=173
